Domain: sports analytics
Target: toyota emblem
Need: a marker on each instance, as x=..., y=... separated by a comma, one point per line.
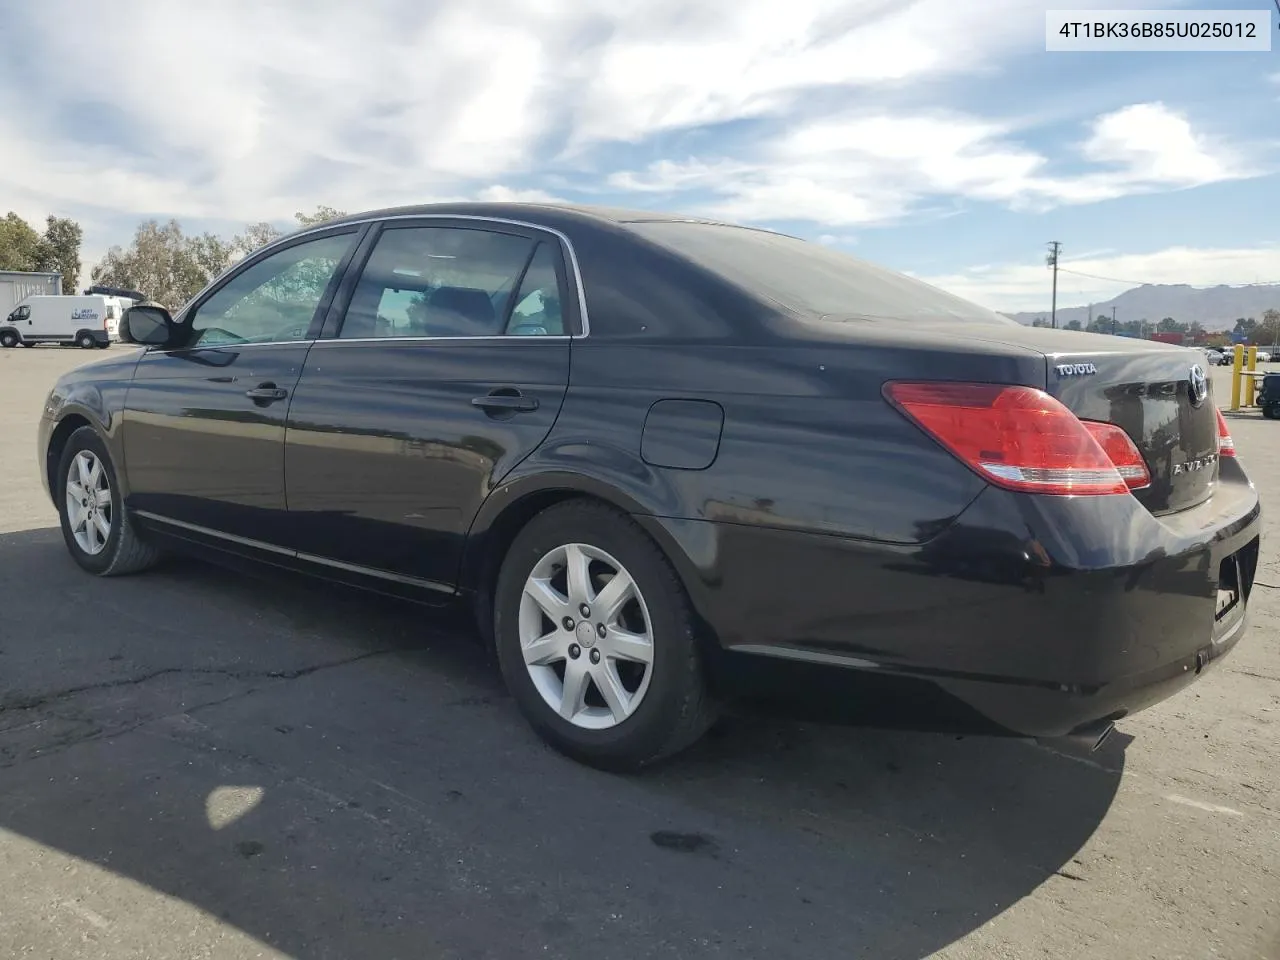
x=1199, y=384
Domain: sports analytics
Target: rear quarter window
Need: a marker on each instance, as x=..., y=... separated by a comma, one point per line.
x=809, y=277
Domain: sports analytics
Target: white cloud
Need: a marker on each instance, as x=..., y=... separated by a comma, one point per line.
x=868, y=168
x=1025, y=286
x=1150, y=143
x=249, y=110
x=239, y=110
x=503, y=194
x=728, y=59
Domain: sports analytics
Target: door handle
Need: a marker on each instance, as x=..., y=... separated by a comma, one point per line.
x=506, y=401
x=266, y=393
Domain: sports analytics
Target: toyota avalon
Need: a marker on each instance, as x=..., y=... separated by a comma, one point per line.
x=647, y=449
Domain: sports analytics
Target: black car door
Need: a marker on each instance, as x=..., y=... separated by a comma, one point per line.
x=444, y=364
x=204, y=422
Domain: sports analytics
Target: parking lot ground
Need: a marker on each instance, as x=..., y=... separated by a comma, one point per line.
x=199, y=764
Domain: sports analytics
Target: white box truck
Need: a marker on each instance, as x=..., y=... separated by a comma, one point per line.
x=86, y=321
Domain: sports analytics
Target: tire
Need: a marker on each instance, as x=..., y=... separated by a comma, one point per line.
x=86, y=341
x=122, y=551
x=670, y=704
x=9, y=339
x=1272, y=412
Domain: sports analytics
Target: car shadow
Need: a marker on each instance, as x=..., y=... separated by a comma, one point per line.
x=339, y=775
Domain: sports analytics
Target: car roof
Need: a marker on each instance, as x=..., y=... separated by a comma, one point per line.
x=548, y=213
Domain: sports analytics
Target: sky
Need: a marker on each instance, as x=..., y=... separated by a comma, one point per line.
x=936, y=137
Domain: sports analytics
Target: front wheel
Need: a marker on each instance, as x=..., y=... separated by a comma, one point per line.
x=595, y=638
x=95, y=524
x=9, y=339
x=1272, y=412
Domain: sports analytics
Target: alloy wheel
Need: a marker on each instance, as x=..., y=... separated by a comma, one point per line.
x=88, y=499
x=585, y=636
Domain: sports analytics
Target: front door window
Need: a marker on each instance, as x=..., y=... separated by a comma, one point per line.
x=273, y=300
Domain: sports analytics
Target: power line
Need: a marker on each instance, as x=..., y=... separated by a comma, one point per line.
x=1139, y=283
x=1094, y=276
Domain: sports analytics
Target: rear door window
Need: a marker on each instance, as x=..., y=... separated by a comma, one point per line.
x=448, y=282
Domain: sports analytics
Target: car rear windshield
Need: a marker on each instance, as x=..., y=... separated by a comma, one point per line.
x=809, y=276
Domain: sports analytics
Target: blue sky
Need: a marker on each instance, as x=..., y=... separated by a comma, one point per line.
x=936, y=136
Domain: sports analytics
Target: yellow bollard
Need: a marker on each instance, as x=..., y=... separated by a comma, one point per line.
x=1237, y=364
x=1252, y=384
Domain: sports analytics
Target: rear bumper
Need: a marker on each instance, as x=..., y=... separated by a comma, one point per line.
x=1041, y=615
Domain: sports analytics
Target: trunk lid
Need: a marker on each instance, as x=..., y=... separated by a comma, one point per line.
x=1160, y=395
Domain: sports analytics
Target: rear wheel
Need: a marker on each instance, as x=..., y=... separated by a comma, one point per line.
x=95, y=524
x=86, y=341
x=1272, y=412
x=595, y=639
x=9, y=339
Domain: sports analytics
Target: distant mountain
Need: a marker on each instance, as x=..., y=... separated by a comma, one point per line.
x=1216, y=308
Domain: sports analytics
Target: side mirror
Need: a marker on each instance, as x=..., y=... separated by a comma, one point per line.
x=149, y=325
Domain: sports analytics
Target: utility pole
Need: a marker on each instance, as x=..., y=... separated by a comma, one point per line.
x=1090, y=323
x=1055, y=248
x=1113, y=320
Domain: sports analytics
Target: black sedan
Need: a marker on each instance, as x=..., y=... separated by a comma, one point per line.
x=648, y=450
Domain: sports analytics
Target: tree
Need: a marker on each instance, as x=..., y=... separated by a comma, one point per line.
x=1244, y=325
x=60, y=251
x=57, y=251
x=166, y=265
x=255, y=236
x=321, y=215
x=171, y=267
x=20, y=244
x=1074, y=325
x=1267, y=333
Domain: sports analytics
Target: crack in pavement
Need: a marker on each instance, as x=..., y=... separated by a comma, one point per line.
x=1257, y=676
x=231, y=673
x=9, y=759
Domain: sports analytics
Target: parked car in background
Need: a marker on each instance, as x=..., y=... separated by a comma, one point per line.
x=655, y=456
x=83, y=321
x=1214, y=356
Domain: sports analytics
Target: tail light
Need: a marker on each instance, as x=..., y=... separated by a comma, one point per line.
x=1226, y=445
x=1122, y=451
x=1019, y=438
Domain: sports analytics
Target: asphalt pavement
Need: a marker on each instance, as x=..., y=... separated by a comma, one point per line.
x=196, y=763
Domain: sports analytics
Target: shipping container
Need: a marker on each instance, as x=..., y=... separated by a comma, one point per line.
x=16, y=287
